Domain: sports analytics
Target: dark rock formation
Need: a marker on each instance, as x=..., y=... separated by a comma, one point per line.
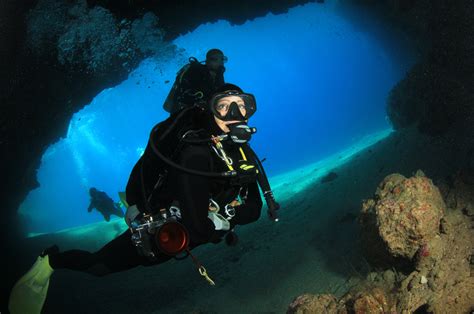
x=331, y=176
x=180, y=17
x=438, y=92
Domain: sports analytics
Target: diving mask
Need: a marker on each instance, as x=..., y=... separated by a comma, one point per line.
x=218, y=58
x=232, y=105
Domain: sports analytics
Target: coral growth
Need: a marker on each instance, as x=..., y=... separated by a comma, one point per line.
x=92, y=39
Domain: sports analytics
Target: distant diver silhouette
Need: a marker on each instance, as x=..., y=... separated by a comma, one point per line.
x=104, y=204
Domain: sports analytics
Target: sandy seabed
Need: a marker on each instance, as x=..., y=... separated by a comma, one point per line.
x=312, y=249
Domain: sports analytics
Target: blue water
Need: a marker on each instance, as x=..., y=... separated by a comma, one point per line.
x=321, y=83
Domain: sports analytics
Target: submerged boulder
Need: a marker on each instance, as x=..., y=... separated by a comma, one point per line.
x=374, y=300
x=405, y=215
x=331, y=176
x=308, y=303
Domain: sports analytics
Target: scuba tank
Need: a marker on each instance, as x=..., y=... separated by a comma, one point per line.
x=173, y=102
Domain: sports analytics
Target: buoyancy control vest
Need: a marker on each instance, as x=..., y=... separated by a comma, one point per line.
x=166, y=141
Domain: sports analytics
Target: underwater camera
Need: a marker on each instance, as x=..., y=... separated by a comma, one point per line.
x=160, y=232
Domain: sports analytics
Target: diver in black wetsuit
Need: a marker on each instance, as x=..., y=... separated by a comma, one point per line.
x=196, y=82
x=212, y=187
x=104, y=204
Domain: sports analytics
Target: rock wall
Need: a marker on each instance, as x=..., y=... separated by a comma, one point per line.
x=438, y=92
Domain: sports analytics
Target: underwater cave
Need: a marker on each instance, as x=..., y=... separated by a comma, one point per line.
x=321, y=85
x=347, y=93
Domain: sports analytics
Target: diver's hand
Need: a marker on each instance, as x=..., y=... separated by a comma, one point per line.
x=273, y=206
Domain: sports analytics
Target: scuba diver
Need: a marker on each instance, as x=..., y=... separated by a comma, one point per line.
x=196, y=81
x=104, y=204
x=196, y=181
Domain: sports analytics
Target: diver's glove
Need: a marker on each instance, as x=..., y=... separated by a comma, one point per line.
x=273, y=206
x=131, y=214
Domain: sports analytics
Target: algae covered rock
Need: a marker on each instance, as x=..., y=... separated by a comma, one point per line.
x=374, y=301
x=308, y=303
x=406, y=213
x=369, y=300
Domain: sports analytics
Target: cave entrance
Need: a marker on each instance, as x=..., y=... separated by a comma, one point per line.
x=321, y=83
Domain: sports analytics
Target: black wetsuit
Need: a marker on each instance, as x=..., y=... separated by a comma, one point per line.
x=191, y=191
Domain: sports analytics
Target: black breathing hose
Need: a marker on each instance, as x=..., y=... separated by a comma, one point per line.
x=224, y=174
x=262, y=179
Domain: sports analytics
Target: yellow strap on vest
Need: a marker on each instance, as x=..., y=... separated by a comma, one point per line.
x=221, y=148
x=246, y=167
x=242, y=153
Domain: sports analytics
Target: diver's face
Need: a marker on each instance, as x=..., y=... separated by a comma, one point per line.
x=223, y=106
